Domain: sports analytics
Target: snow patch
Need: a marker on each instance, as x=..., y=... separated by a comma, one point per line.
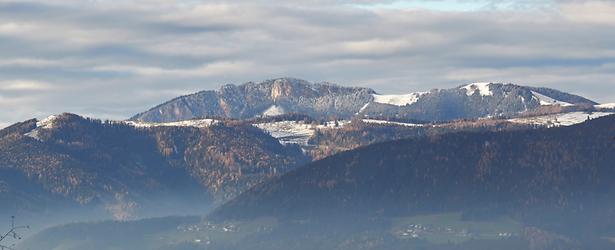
x=562, y=119
x=298, y=132
x=545, y=100
x=295, y=132
x=392, y=123
x=274, y=110
x=201, y=123
x=362, y=108
x=606, y=106
x=46, y=123
x=483, y=88
x=398, y=100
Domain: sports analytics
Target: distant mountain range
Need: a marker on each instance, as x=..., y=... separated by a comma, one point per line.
x=330, y=101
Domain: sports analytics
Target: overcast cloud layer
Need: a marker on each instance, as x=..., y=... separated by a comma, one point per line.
x=112, y=59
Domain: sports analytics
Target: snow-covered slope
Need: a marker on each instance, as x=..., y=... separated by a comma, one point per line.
x=545, y=100
x=398, y=100
x=606, y=106
x=200, y=123
x=563, y=119
x=382, y=122
x=273, y=111
x=483, y=88
x=296, y=132
x=46, y=123
x=325, y=100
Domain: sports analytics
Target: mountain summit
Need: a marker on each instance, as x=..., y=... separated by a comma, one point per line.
x=272, y=97
x=325, y=100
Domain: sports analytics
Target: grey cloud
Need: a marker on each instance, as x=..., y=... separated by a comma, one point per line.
x=111, y=60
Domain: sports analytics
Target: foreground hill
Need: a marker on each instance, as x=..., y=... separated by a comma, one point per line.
x=127, y=171
x=565, y=170
x=326, y=100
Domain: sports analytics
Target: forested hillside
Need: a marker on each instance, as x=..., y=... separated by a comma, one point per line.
x=125, y=169
x=568, y=170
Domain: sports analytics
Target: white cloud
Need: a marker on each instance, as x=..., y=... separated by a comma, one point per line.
x=27, y=85
x=598, y=12
x=28, y=62
x=15, y=28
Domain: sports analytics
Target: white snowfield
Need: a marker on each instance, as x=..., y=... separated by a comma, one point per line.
x=545, y=100
x=46, y=123
x=296, y=132
x=201, y=123
x=397, y=100
x=274, y=110
x=363, y=108
x=606, y=106
x=563, y=119
x=392, y=123
x=483, y=88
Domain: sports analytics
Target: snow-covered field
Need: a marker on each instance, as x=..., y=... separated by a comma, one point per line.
x=545, y=100
x=392, y=123
x=201, y=123
x=46, y=123
x=397, y=100
x=295, y=132
x=300, y=133
x=564, y=119
x=606, y=106
x=274, y=110
x=482, y=87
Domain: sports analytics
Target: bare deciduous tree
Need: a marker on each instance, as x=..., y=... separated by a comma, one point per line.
x=11, y=234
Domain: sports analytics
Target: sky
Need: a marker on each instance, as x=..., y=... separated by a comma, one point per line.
x=111, y=59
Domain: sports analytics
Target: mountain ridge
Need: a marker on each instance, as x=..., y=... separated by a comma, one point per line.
x=120, y=167
x=327, y=100
x=557, y=168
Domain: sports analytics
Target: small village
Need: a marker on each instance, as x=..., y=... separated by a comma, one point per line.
x=418, y=231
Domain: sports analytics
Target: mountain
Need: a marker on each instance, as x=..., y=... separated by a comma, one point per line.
x=326, y=100
x=273, y=97
x=494, y=154
x=526, y=189
x=129, y=171
x=319, y=138
x=124, y=168
x=558, y=171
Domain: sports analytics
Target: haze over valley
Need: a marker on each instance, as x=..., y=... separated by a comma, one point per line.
x=307, y=124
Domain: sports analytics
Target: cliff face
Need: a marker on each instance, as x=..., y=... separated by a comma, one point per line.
x=254, y=99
